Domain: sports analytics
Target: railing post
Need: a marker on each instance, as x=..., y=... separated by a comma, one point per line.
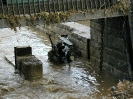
x=23, y=7
x=67, y=3
x=58, y=5
x=13, y=7
x=18, y=7
x=2, y=7
x=63, y=6
x=34, y=7
x=39, y=8
x=54, y=6
x=131, y=5
x=43, y=5
x=49, y=7
x=76, y=5
x=72, y=4
x=29, y=7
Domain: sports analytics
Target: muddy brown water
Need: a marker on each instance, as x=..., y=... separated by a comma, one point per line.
x=75, y=80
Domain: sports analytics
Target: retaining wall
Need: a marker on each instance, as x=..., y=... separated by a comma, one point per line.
x=114, y=52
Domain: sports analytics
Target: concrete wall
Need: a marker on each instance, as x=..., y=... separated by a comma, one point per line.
x=114, y=53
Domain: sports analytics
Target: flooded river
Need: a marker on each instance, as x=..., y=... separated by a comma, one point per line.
x=75, y=80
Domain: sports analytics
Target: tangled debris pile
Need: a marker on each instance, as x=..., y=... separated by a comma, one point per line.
x=123, y=90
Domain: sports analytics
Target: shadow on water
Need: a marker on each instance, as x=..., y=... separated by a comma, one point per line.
x=80, y=77
x=83, y=78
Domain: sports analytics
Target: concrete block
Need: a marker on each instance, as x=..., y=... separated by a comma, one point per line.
x=94, y=35
x=92, y=24
x=120, y=34
x=31, y=68
x=95, y=52
x=99, y=37
x=114, y=32
x=111, y=41
x=94, y=61
x=107, y=30
x=91, y=51
x=91, y=31
x=82, y=46
x=105, y=40
x=20, y=59
x=119, y=45
x=122, y=66
x=21, y=51
x=112, y=61
x=107, y=67
x=97, y=27
x=83, y=54
x=108, y=51
x=27, y=64
x=117, y=72
x=94, y=44
x=116, y=43
x=105, y=57
x=119, y=55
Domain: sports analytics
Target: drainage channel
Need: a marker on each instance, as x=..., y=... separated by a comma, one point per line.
x=74, y=80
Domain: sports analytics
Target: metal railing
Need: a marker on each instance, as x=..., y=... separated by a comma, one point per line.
x=19, y=7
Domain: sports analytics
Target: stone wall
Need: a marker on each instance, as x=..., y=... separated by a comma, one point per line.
x=114, y=52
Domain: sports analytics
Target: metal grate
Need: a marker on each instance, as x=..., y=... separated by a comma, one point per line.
x=19, y=7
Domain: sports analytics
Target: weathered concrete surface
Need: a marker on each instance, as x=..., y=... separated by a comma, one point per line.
x=130, y=17
x=29, y=67
x=73, y=17
x=115, y=58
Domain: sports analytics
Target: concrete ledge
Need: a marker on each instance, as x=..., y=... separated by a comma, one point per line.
x=73, y=17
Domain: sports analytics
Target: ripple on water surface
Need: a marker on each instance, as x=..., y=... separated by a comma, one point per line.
x=75, y=80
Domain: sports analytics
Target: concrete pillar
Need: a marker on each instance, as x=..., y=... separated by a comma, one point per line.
x=130, y=17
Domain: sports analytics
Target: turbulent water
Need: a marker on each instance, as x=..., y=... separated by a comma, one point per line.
x=75, y=80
